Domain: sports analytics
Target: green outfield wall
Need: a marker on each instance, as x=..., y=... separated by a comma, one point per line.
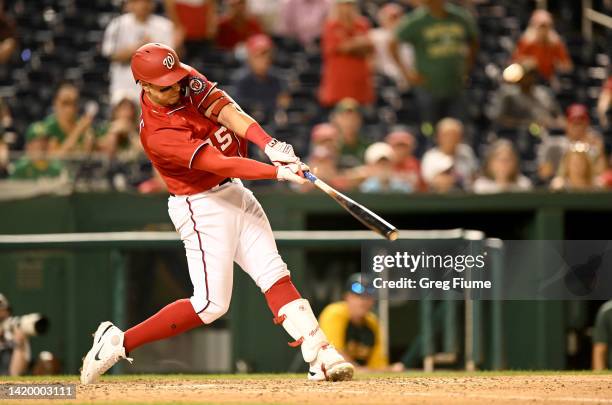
x=77, y=288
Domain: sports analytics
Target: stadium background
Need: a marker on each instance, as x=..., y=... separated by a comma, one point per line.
x=77, y=287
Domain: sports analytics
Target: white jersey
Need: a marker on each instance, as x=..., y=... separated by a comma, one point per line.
x=126, y=31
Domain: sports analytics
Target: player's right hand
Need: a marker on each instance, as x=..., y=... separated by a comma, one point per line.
x=280, y=153
x=291, y=172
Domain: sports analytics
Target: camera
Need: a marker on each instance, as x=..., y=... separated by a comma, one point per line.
x=31, y=324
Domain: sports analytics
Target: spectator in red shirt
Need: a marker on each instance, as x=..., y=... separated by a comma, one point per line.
x=604, y=102
x=236, y=25
x=543, y=45
x=346, y=49
x=195, y=21
x=406, y=164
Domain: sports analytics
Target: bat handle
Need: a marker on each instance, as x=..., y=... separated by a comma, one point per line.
x=310, y=176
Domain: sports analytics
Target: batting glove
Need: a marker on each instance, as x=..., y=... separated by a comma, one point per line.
x=280, y=153
x=290, y=173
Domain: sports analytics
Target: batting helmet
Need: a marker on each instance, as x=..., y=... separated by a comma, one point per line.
x=157, y=64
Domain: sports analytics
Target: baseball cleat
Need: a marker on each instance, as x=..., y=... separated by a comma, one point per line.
x=330, y=366
x=107, y=349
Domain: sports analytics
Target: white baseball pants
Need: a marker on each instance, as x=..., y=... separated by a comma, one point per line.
x=219, y=227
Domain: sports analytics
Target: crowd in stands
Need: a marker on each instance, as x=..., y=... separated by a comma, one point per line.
x=378, y=96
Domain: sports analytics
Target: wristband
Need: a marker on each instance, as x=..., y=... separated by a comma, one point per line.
x=256, y=134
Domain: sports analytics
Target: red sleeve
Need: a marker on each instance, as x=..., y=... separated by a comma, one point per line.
x=608, y=85
x=174, y=145
x=199, y=87
x=210, y=159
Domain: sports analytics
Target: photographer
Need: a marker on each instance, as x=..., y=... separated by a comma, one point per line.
x=14, y=344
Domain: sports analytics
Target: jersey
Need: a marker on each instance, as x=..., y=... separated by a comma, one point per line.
x=172, y=137
x=361, y=342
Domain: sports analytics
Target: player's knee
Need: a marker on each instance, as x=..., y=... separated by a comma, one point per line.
x=274, y=272
x=215, y=311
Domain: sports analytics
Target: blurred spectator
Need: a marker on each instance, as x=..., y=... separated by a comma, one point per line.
x=15, y=349
x=326, y=135
x=303, y=19
x=236, y=25
x=124, y=35
x=353, y=329
x=542, y=45
x=260, y=88
x=65, y=131
x=445, y=40
x=521, y=102
x=266, y=12
x=46, y=364
x=4, y=160
x=195, y=21
x=451, y=164
x=121, y=138
x=8, y=134
x=501, y=171
x=578, y=129
x=604, y=103
x=406, y=164
x=346, y=48
x=389, y=16
x=153, y=185
x=576, y=171
x=323, y=157
x=602, y=338
x=380, y=174
x=36, y=163
x=346, y=116
x=8, y=37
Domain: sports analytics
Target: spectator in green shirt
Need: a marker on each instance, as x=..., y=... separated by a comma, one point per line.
x=602, y=338
x=36, y=164
x=346, y=116
x=445, y=40
x=67, y=133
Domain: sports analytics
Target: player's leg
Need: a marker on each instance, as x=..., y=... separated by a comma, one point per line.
x=258, y=256
x=207, y=224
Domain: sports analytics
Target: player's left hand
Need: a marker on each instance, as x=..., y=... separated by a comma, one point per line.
x=280, y=153
x=292, y=173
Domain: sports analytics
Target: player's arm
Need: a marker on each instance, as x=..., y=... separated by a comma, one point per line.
x=220, y=107
x=210, y=159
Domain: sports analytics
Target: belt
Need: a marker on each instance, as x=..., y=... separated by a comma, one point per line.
x=224, y=181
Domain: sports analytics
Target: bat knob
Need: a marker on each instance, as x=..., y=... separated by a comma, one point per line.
x=393, y=235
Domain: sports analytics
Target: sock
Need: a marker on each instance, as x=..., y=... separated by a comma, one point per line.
x=171, y=320
x=281, y=293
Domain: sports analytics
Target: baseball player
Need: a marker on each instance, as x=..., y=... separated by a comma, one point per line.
x=195, y=135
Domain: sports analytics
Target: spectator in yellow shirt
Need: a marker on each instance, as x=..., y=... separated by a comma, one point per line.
x=352, y=327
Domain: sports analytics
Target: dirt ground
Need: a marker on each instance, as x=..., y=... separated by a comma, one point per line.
x=582, y=388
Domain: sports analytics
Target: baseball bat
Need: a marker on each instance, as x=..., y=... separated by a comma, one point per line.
x=361, y=213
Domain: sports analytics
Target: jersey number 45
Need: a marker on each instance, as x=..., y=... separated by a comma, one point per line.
x=223, y=137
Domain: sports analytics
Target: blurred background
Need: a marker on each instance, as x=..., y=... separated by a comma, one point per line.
x=488, y=115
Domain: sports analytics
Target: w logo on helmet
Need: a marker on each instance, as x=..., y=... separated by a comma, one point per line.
x=169, y=61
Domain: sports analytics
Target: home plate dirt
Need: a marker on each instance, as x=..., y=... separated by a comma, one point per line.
x=583, y=388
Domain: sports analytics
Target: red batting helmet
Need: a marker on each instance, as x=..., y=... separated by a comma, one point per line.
x=158, y=64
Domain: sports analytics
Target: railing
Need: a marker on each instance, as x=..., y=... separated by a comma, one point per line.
x=590, y=16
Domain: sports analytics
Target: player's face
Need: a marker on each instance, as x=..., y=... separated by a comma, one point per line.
x=163, y=95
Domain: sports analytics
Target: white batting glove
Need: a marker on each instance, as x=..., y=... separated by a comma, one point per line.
x=289, y=173
x=280, y=153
